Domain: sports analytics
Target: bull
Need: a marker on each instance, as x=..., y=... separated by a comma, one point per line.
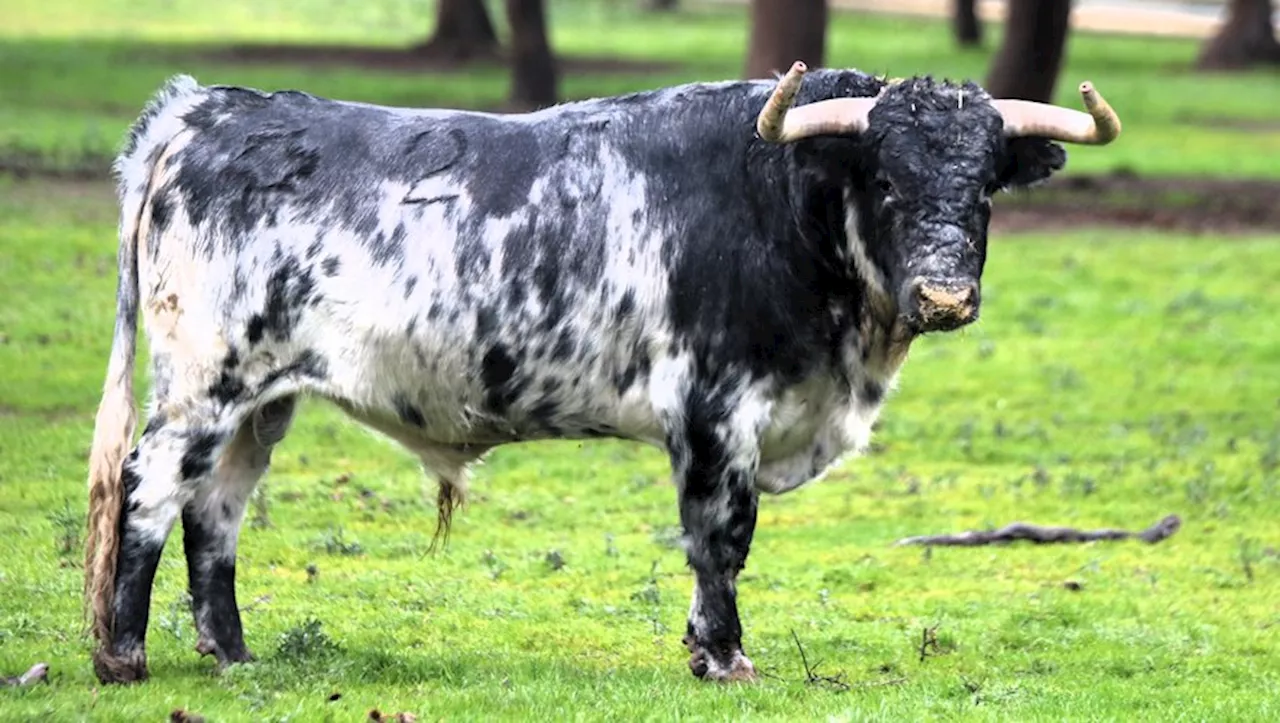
x=733, y=272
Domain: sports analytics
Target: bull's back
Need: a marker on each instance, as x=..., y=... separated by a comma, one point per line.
x=471, y=275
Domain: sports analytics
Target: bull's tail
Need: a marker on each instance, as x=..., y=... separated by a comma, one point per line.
x=117, y=412
x=112, y=436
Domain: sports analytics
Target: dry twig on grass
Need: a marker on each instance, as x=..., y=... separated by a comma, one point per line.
x=1045, y=535
x=880, y=683
x=811, y=671
x=928, y=639
x=836, y=681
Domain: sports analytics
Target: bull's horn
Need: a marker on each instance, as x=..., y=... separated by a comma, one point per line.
x=779, y=123
x=1098, y=127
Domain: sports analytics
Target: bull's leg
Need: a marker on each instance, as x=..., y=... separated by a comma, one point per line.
x=715, y=463
x=159, y=477
x=211, y=528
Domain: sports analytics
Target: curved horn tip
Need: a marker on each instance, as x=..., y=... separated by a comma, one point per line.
x=770, y=124
x=1105, y=119
x=795, y=72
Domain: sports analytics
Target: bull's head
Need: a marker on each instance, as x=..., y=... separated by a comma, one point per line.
x=934, y=154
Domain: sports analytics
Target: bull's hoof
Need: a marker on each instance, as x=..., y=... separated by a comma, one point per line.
x=240, y=654
x=129, y=667
x=738, y=668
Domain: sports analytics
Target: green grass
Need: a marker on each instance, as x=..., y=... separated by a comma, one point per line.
x=76, y=73
x=1114, y=379
x=1116, y=376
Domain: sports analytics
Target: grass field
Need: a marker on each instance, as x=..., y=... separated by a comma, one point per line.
x=1118, y=375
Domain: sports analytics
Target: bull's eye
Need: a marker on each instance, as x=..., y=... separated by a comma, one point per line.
x=885, y=185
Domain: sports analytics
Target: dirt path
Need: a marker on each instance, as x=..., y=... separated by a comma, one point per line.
x=1181, y=205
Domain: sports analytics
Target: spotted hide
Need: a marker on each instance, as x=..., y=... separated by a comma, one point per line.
x=643, y=267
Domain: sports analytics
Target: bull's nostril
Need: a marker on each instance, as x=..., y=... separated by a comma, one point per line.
x=943, y=301
x=942, y=306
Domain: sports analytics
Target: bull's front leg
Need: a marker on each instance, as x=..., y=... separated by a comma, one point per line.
x=715, y=462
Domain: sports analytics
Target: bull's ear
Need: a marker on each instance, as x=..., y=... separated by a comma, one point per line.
x=1030, y=160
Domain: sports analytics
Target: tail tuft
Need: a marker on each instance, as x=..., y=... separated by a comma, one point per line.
x=449, y=498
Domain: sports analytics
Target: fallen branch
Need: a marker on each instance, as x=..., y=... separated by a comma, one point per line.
x=880, y=683
x=38, y=673
x=1045, y=535
x=260, y=600
x=378, y=716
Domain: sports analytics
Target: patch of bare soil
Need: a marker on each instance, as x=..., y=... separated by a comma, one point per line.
x=1246, y=125
x=419, y=59
x=1184, y=205
x=32, y=164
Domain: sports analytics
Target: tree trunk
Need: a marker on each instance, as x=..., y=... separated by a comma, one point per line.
x=965, y=23
x=533, y=69
x=1245, y=39
x=463, y=31
x=659, y=5
x=1035, y=40
x=784, y=31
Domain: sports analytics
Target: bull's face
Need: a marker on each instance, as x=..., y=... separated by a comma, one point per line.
x=932, y=156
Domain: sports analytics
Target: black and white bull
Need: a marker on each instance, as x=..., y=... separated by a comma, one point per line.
x=700, y=267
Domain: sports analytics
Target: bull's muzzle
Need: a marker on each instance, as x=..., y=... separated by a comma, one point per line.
x=940, y=305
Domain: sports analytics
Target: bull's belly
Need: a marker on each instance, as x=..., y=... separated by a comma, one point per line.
x=451, y=393
x=442, y=388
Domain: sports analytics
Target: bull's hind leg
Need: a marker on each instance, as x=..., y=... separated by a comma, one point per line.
x=211, y=528
x=174, y=457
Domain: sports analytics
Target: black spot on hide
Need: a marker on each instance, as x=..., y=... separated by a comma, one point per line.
x=408, y=413
x=289, y=289
x=872, y=391
x=197, y=460
x=503, y=161
x=331, y=266
x=161, y=212
x=498, y=375
x=229, y=386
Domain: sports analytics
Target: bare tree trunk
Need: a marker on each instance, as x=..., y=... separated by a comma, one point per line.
x=1246, y=39
x=463, y=31
x=965, y=23
x=1035, y=40
x=784, y=31
x=533, y=69
x=659, y=5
